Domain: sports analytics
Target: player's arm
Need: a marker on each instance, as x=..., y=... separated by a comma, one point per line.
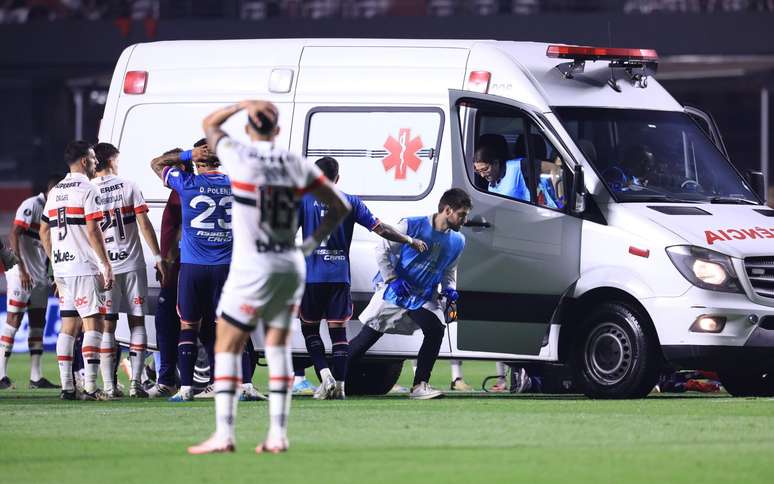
x=7, y=258
x=387, y=252
x=449, y=282
x=45, y=236
x=159, y=163
x=213, y=122
x=149, y=234
x=97, y=243
x=388, y=232
x=338, y=208
x=15, y=239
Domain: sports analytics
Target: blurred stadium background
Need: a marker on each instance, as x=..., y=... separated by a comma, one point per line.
x=57, y=55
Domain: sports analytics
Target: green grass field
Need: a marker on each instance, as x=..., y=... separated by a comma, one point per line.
x=461, y=438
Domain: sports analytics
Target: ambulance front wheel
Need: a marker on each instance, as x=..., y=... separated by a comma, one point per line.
x=616, y=354
x=373, y=377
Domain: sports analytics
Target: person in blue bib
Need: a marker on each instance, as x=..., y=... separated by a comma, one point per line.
x=327, y=294
x=205, y=252
x=503, y=176
x=407, y=294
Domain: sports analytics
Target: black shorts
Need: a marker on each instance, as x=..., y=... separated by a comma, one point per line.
x=330, y=301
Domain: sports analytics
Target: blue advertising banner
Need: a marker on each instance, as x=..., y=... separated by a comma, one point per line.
x=53, y=323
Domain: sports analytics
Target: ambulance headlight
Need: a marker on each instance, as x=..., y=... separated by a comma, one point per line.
x=704, y=268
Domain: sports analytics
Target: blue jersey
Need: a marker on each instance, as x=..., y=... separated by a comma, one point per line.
x=205, y=201
x=512, y=184
x=330, y=261
x=424, y=270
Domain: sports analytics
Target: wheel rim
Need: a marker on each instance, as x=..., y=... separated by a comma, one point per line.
x=608, y=353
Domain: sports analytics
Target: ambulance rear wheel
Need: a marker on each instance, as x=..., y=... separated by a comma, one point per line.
x=373, y=378
x=616, y=355
x=749, y=383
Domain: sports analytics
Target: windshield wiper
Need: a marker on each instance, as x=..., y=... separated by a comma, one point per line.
x=729, y=200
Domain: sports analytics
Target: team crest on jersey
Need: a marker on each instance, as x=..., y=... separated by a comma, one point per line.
x=27, y=212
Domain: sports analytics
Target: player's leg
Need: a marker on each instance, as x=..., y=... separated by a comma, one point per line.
x=249, y=360
x=210, y=291
x=189, y=311
x=501, y=369
x=230, y=341
x=37, y=319
x=136, y=290
x=107, y=353
x=7, y=335
x=69, y=330
x=457, y=379
x=367, y=336
x=338, y=314
x=433, y=329
x=312, y=310
x=167, y=337
x=18, y=301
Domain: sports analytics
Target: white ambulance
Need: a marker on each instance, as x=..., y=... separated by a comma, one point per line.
x=636, y=246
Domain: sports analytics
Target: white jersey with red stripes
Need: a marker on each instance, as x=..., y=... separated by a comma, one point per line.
x=70, y=204
x=121, y=201
x=267, y=185
x=31, y=250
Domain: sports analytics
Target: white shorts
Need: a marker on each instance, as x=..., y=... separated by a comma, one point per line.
x=81, y=296
x=386, y=317
x=20, y=299
x=250, y=296
x=128, y=295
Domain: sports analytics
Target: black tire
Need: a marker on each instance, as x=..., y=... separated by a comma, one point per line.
x=373, y=378
x=748, y=383
x=616, y=353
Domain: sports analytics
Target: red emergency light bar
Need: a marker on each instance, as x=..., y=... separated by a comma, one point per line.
x=578, y=52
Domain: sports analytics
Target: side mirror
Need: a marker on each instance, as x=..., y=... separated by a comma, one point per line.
x=757, y=183
x=578, y=190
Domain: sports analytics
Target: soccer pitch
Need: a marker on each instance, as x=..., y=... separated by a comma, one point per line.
x=461, y=438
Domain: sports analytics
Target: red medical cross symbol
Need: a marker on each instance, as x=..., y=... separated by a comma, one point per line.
x=403, y=153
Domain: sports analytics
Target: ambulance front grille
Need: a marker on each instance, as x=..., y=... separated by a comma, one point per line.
x=760, y=272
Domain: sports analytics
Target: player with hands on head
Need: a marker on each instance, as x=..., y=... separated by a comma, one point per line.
x=267, y=282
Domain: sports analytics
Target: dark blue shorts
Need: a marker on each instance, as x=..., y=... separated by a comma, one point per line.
x=331, y=301
x=198, y=291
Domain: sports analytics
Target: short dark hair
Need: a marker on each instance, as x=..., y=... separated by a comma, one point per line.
x=105, y=152
x=75, y=150
x=491, y=147
x=329, y=167
x=267, y=125
x=201, y=142
x=455, y=198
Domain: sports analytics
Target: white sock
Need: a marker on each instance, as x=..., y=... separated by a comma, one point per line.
x=414, y=366
x=280, y=364
x=501, y=368
x=7, y=333
x=64, y=356
x=326, y=373
x=35, y=343
x=185, y=389
x=456, y=369
x=91, y=359
x=298, y=379
x=226, y=381
x=137, y=342
x=107, y=359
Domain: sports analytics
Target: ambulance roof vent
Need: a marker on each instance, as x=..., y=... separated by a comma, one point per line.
x=638, y=64
x=678, y=210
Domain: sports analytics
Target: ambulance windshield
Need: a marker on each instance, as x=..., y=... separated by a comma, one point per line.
x=654, y=156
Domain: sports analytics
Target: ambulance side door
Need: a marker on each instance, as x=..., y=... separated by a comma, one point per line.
x=521, y=256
